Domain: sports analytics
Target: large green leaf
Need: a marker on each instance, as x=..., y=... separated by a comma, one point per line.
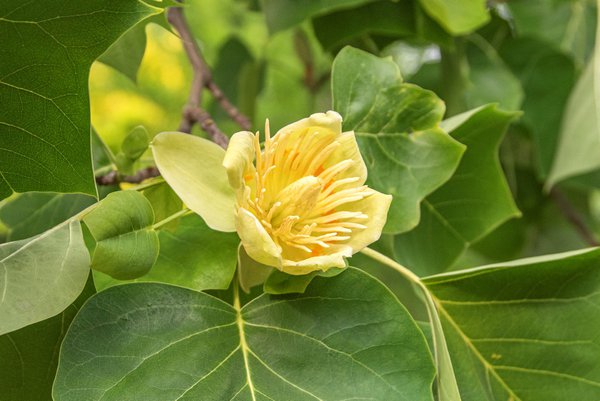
x=282, y=14
x=526, y=330
x=125, y=244
x=396, y=125
x=346, y=337
x=30, y=355
x=458, y=17
x=475, y=200
x=41, y=276
x=48, y=48
x=191, y=255
x=418, y=297
x=33, y=213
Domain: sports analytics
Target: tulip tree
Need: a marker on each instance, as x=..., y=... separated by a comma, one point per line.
x=354, y=200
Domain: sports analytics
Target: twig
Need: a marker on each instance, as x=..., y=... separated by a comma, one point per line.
x=202, y=75
x=573, y=217
x=113, y=178
x=192, y=112
x=202, y=117
x=236, y=115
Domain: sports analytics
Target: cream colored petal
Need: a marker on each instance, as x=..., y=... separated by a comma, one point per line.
x=309, y=265
x=376, y=207
x=330, y=120
x=256, y=241
x=239, y=157
x=349, y=150
x=193, y=167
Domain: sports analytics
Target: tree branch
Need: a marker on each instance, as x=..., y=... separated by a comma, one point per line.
x=202, y=75
x=113, y=178
x=573, y=216
x=192, y=112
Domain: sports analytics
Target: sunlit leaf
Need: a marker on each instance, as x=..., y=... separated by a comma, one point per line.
x=41, y=276
x=30, y=355
x=193, y=167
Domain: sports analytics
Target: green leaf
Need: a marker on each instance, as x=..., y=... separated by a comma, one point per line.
x=165, y=203
x=191, y=255
x=547, y=76
x=475, y=200
x=446, y=386
x=45, y=119
x=458, y=17
x=250, y=272
x=526, y=330
x=193, y=167
x=386, y=18
x=279, y=282
x=282, y=14
x=41, y=276
x=33, y=213
x=579, y=143
x=346, y=337
x=30, y=355
x=490, y=80
x=383, y=111
x=568, y=25
x=126, y=54
x=579, y=140
x=125, y=244
x=135, y=143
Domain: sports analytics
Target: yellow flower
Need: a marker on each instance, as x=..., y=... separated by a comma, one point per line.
x=301, y=203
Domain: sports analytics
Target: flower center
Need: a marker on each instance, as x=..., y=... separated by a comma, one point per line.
x=300, y=196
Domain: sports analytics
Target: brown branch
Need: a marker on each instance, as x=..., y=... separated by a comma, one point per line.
x=192, y=112
x=573, y=216
x=202, y=117
x=113, y=178
x=202, y=75
x=236, y=115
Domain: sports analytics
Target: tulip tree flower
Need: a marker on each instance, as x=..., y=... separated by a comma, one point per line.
x=300, y=204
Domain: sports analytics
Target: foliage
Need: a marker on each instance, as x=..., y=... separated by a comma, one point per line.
x=122, y=273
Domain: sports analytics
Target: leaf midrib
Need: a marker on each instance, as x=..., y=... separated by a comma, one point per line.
x=473, y=349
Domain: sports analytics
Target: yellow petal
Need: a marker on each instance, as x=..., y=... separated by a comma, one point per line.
x=330, y=120
x=193, y=167
x=257, y=242
x=323, y=263
x=376, y=207
x=239, y=157
x=348, y=150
